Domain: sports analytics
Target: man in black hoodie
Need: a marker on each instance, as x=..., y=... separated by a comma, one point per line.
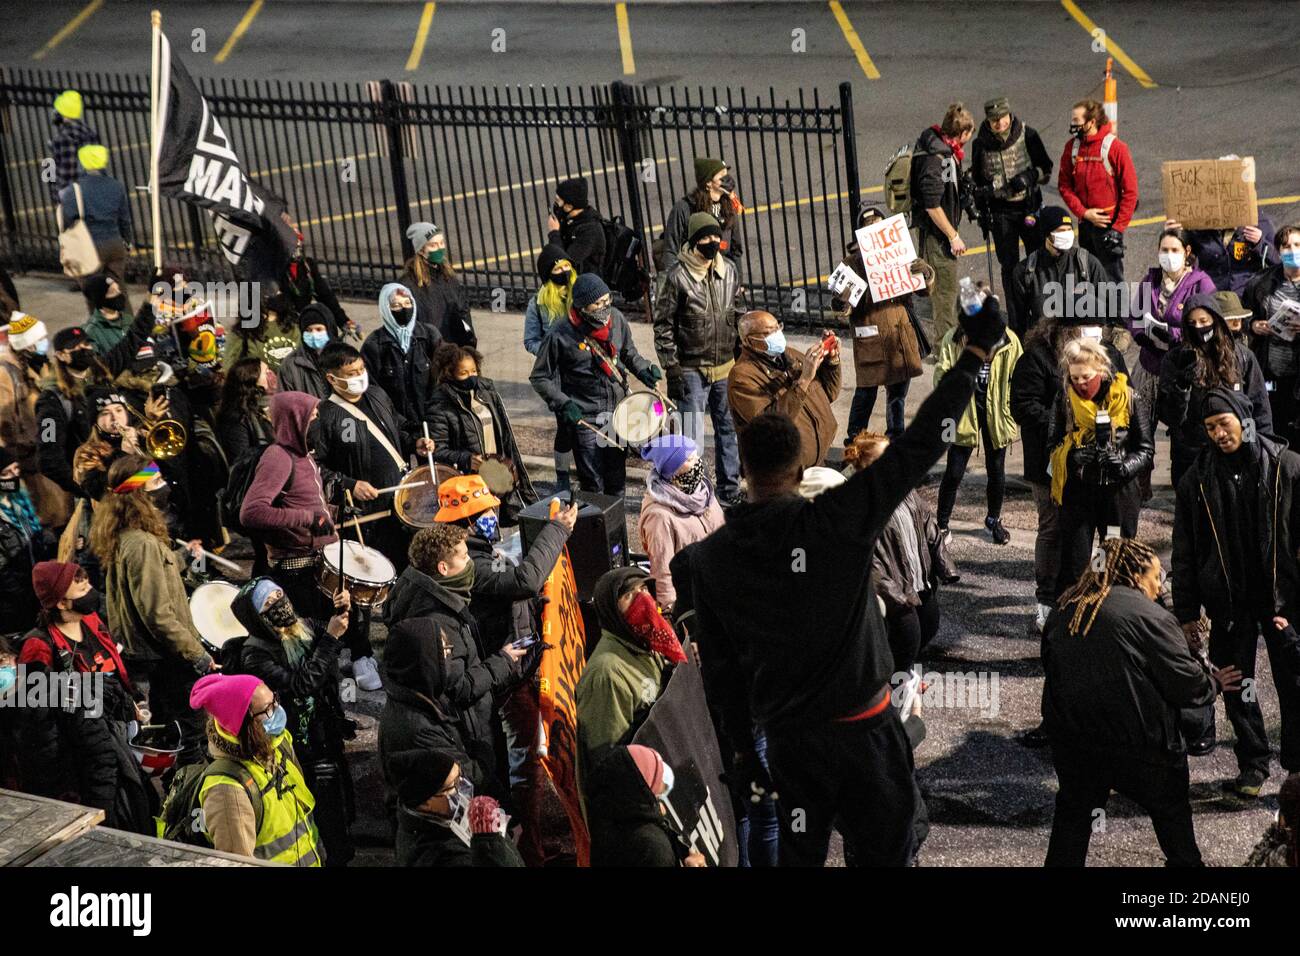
x=1009, y=164
x=575, y=226
x=1236, y=530
x=814, y=671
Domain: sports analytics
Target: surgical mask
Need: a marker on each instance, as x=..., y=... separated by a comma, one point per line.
x=1063, y=241
x=1091, y=332
x=8, y=677
x=1291, y=258
x=689, y=480
x=357, y=384
x=43, y=348
x=275, y=724
x=81, y=359
x=88, y=603
x=775, y=342
x=1172, y=262
x=435, y=256
x=488, y=526
x=403, y=316
x=668, y=784
x=280, y=614
x=315, y=340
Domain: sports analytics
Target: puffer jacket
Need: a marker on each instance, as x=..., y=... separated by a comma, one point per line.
x=1002, y=426
x=886, y=350
x=457, y=432
x=695, y=319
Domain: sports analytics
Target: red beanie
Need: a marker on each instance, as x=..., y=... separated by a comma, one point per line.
x=51, y=580
x=225, y=697
x=650, y=764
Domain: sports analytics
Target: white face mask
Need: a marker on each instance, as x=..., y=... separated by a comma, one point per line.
x=1063, y=240
x=357, y=384
x=1172, y=262
x=1091, y=332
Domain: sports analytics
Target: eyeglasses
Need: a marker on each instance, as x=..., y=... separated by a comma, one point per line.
x=263, y=714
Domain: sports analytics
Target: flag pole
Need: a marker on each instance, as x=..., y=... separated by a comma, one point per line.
x=154, y=133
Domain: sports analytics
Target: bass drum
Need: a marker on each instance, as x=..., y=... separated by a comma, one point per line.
x=210, y=609
x=415, y=506
x=639, y=417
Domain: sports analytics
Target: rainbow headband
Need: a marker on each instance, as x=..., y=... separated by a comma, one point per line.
x=141, y=478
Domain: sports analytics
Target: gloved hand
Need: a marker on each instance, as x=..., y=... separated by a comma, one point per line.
x=985, y=327
x=676, y=383
x=655, y=373
x=486, y=816
x=1023, y=182
x=1113, y=467
x=1155, y=328
x=749, y=779
x=572, y=412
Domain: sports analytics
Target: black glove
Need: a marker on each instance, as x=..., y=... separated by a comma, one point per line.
x=1112, y=466
x=985, y=328
x=1023, y=182
x=676, y=383
x=322, y=527
x=1113, y=241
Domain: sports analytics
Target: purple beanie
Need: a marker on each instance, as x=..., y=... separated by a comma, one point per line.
x=668, y=453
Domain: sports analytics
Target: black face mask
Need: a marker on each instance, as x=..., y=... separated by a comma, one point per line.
x=561, y=279
x=81, y=360
x=708, y=250
x=280, y=614
x=161, y=497
x=403, y=316
x=465, y=384
x=117, y=303
x=35, y=361
x=559, y=212
x=88, y=603
x=9, y=485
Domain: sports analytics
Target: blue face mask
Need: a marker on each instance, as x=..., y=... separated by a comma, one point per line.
x=1291, y=259
x=43, y=347
x=275, y=724
x=488, y=526
x=8, y=677
x=315, y=340
x=775, y=343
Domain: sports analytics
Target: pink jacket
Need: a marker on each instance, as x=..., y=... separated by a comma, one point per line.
x=286, y=494
x=665, y=531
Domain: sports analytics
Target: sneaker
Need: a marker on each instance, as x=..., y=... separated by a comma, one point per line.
x=367, y=674
x=1000, y=534
x=1248, y=783
x=947, y=571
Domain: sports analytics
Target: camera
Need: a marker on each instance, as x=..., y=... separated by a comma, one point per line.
x=1112, y=240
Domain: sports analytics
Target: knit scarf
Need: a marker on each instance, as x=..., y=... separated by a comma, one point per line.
x=1084, y=415
x=459, y=584
x=17, y=509
x=957, y=151
x=695, y=264
x=600, y=335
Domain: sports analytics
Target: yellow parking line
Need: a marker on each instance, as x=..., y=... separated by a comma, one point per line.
x=249, y=16
x=421, y=35
x=625, y=39
x=68, y=29
x=851, y=35
x=1112, y=47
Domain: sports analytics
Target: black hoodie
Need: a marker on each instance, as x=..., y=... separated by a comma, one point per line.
x=627, y=828
x=783, y=593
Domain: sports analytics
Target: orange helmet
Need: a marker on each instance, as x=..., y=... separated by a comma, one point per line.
x=463, y=497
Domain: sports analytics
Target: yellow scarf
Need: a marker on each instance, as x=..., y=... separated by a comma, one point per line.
x=1084, y=414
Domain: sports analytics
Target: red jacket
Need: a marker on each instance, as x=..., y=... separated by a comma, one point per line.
x=1085, y=184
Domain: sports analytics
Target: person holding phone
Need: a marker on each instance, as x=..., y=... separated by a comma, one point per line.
x=1272, y=297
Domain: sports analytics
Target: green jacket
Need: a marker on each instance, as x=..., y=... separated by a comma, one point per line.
x=279, y=340
x=614, y=694
x=148, y=610
x=1002, y=427
x=105, y=333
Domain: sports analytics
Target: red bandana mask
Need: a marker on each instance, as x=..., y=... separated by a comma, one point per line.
x=652, y=629
x=1089, y=389
x=957, y=151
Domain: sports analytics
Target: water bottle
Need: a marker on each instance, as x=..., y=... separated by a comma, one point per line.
x=972, y=298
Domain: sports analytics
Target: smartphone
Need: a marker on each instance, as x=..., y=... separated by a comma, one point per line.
x=158, y=391
x=829, y=341
x=525, y=642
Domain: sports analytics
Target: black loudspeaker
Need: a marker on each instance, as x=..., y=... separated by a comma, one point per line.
x=599, y=539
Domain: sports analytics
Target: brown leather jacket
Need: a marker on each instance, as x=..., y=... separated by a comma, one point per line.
x=757, y=384
x=885, y=347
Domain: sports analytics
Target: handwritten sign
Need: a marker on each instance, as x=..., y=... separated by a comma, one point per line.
x=888, y=254
x=1210, y=193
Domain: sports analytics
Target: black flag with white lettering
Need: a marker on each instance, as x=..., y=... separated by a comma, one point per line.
x=197, y=164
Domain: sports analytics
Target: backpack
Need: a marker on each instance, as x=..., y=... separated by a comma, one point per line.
x=622, y=269
x=898, y=180
x=242, y=472
x=1105, y=151
x=181, y=819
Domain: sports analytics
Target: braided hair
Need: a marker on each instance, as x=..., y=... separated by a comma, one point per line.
x=1126, y=560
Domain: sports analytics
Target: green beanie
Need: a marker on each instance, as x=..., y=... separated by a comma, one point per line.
x=701, y=224
x=706, y=169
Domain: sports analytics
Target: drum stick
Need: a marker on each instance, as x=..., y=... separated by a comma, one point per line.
x=376, y=516
x=214, y=558
x=391, y=488
x=432, y=473
x=356, y=525
x=587, y=424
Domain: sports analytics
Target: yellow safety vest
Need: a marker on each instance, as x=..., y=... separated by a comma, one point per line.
x=288, y=833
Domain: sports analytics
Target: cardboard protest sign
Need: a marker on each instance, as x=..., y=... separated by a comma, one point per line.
x=887, y=254
x=1210, y=193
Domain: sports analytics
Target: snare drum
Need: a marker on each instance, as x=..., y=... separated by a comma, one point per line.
x=210, y=609
x=415, y=507
x=639, y=417
x=366, y=573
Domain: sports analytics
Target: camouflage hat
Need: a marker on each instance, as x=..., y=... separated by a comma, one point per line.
x=997, y=107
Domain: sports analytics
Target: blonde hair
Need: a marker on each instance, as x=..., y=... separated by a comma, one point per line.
x=553, y=300
x=425, y=273
x=956, y=121
x=1085, y=351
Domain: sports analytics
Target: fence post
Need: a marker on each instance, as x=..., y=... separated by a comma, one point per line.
x=390, y=107
x=6, y=193
x=629, y=146
x=850, y=152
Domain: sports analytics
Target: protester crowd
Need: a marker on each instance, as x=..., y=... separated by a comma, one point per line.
x=137, y=443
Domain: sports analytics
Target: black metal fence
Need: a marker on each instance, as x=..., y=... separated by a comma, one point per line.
x=358, y=162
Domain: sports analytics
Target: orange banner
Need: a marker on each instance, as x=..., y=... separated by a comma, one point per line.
x=561, y=665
